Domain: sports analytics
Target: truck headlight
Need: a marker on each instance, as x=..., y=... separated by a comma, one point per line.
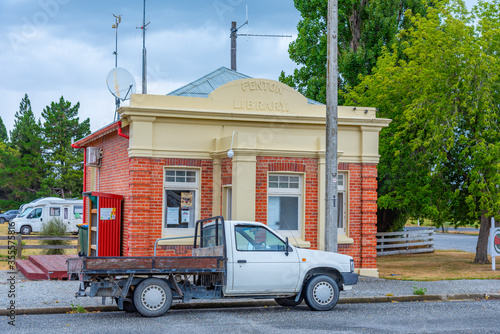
x=352, y=265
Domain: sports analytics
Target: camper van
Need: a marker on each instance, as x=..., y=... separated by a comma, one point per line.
x=42, y=210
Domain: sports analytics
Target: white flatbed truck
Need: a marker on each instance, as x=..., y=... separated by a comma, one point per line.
x=231, y=259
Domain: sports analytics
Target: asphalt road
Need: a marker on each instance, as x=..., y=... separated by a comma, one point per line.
x=415, y=317
x=448, y=241
x=463, y=242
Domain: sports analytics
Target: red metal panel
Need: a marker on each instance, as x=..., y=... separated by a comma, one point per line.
x=109, y=229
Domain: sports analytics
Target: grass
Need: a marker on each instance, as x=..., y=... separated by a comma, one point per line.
x=26, y=252
x=440, y=265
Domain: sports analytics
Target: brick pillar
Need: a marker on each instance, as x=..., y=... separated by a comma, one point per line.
x=368, y=216
x=139, y=229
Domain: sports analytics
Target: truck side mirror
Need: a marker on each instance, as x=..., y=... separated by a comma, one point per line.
x=286, y=246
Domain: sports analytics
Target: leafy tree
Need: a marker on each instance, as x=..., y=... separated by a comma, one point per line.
x=24, y=165
x=441, y=154
x=60, y=128
x=3, y=132
x=364, y=28
x=8, y=162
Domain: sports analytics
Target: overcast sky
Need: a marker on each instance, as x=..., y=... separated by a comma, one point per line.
x=50, y=48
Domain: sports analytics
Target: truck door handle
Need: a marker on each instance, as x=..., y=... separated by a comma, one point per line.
x=242, y=261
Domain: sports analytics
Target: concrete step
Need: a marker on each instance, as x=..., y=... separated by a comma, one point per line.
x=30, y=270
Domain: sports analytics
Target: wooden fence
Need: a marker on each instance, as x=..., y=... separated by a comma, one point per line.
x=17, y=243
x=405, y=242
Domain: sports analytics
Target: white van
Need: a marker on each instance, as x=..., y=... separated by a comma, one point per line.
x=36, y=213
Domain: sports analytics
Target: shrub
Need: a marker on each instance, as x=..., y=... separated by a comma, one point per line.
x=54, y=228
x=419, y=291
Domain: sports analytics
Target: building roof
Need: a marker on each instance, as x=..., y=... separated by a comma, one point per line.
x=210, y=82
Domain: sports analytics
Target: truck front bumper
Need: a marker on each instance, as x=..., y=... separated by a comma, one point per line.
x=349, y=278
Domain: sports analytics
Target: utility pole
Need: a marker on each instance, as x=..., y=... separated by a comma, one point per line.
x=234, y=35
x=144, y=58
x=331, y=214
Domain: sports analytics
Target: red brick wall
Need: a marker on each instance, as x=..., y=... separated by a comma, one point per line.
x=113, y=175
x=300, y=165
x=362, y=214
x=146, y=192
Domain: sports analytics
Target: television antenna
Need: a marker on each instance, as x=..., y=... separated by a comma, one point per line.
x=144, y=56
x=118, y=20
x=121, y=84
x=234, y=34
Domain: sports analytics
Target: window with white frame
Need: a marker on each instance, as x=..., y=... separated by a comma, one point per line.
x=342, y=203
x=180, y=201
x=284, y=202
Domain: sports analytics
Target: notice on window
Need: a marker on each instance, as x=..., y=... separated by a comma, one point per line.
x=185, y=216
x=186, y=200
x=108, y=213
x=172, y=216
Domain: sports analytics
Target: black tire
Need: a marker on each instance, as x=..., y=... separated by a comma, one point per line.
x=152, y=297
x=289, y=301
x=25, y=229
x=2, y=220
x=128, y=306
x=322, y=293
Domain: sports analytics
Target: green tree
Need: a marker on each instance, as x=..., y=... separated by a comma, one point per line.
x=441, y=154
x=364, y=28
x=4, y=137
x=24, y=165
x=8, y=162
x=61, y=127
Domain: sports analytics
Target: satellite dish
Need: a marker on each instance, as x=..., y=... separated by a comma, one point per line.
x=120, y=83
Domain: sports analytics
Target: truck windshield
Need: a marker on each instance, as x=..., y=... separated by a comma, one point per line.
x=25, y=212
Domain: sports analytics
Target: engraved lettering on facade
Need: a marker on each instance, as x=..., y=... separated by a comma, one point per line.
x=261, y=85
x=260, y=105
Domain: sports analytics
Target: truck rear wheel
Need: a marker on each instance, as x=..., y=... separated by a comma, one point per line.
x=152, y=297
x=322, y=293
x=288, y=302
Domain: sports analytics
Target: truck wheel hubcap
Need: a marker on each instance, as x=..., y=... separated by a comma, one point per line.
x=153, y=297
x=323, y=293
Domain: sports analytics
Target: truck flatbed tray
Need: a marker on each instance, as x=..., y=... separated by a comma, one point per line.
x=145, y=265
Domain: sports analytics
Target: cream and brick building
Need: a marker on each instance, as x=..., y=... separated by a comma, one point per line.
x=170, y=163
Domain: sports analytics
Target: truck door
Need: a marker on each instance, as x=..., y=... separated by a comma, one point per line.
x=261, y=264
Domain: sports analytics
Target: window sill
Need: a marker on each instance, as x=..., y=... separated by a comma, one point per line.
x=189, y=241
x=299, y=242
x=344, y=239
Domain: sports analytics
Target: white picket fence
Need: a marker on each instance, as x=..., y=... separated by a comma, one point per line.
x=405, y=242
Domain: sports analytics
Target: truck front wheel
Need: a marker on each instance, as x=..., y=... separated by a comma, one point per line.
x=152, y=297
x=322, y=293
x=25, y=229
